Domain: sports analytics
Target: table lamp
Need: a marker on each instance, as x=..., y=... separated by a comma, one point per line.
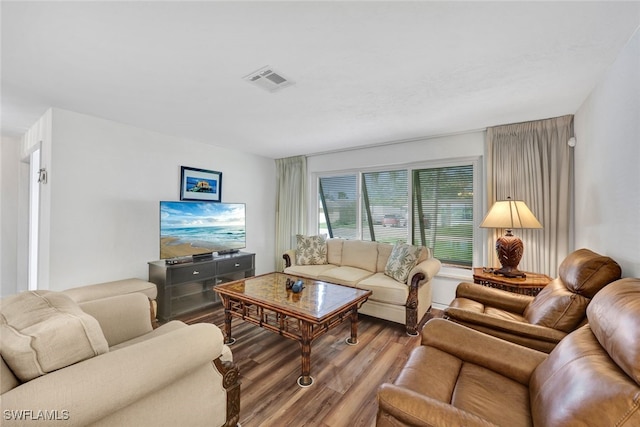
x=509, y=214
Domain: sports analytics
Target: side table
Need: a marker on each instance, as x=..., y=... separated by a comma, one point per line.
x=530, y=285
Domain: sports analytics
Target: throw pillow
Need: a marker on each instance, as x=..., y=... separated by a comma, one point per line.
x=401, y=261
x=41, y=331
x=311, y=250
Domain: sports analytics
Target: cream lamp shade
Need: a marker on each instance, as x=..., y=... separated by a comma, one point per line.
x=510, y=214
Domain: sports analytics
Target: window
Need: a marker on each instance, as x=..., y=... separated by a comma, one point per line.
x=443, y=213
x=385, y=206
x=338, y=201
x=429, y=205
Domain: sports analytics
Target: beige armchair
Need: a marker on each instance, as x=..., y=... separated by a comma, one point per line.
x=100, y=363
x=460, y=377
x=538, y=322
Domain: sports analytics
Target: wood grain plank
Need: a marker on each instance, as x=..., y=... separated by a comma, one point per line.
x=346, y=377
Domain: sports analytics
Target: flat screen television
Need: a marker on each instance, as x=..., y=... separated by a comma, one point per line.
x=201, y=228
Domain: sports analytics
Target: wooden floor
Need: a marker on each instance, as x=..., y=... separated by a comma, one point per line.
x=346, y=377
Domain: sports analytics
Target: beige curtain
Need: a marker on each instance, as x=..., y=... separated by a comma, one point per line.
x=291, y=203
x=532, y=162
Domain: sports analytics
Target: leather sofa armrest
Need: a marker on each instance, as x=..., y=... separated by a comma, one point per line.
x=515, y=361
x=121, y=317
x=94, y=388
x=498, y=298
x=411, y=408
x=527, y=330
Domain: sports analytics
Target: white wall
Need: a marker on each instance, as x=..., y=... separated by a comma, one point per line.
x=416, y=151
x=9, y=182
x=106, y=179
x=607, y=164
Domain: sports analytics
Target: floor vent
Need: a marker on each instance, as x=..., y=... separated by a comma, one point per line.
x=268, y=79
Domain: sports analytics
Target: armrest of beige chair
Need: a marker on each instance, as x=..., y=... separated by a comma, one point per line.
x=121, y=317
x=410, y=408
x=498, y=298
x=515, y=361
x=95, y=388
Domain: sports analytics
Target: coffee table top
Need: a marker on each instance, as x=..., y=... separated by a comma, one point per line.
x=317, y=301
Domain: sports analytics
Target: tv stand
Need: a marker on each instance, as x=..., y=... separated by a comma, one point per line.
x=228, y=252
x=203, y=257
x=187, y=287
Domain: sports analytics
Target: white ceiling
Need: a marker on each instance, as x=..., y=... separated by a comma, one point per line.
x=365, y=72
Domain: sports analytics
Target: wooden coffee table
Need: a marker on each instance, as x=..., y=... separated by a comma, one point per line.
x=265, y=301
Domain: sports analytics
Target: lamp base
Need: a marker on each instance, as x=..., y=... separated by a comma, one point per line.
x=509, y=272
x=509, y=249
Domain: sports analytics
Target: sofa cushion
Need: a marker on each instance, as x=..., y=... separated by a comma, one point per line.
x=384, y=251
x=401, y=261
x=466, y=386
x=313, y=271
x=42, y=331
x=579, y=384
x=617, y=330
x=311, y=250
x=9, y=380
x=344, y=275
x=385, y=289
x=585, y=272
x=334, y=251
x=109, y=289
x=360, y=254
x=557, y=307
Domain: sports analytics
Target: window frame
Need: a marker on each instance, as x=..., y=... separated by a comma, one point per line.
x=478, y=196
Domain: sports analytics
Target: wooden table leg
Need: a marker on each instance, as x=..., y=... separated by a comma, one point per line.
x=353, y=340
x=227, y=321
x=305, y=380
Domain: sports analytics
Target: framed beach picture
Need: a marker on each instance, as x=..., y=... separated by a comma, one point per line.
x=200, y=184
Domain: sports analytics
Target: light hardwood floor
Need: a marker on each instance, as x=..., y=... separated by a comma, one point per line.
x=346, y=377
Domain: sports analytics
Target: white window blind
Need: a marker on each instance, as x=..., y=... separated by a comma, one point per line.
x=338, y=201
x=443, y=212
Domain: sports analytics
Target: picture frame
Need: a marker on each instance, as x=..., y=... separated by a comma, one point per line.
x=200, y=184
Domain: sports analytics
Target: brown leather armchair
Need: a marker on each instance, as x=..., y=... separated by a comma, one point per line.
x=459, y=376
x=538, y=322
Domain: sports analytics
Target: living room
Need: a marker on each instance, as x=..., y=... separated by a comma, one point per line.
x=99, y=207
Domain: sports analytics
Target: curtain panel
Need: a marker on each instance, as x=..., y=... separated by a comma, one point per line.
x=291, y=203
x=532, y=162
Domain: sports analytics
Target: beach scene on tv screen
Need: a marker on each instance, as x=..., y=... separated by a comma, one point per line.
x=191, y=228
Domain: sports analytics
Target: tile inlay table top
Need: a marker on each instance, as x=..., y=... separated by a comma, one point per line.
x=265, y=301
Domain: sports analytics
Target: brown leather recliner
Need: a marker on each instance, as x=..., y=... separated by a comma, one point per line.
x=459, y=376
x=538, y=322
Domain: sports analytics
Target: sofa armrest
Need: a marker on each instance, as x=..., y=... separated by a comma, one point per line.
x=121, y=317
x=527, y=330
x=515, y=303
x=411, y=408
x=289, y=258
x=102, y=385
x=515, y=361
x=428, y=268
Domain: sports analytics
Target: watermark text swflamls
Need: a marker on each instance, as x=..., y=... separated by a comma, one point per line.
x=35, y=415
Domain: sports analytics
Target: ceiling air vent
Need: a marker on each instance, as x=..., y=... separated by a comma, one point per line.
x=268, y=79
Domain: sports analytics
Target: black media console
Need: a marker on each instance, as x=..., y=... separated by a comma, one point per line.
x=186, y=287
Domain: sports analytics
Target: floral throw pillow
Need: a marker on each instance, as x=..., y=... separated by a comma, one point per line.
x=311, y=250
x=401, y=261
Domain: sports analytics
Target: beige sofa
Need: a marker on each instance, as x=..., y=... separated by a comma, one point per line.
x=361, y=264
x=118, y=287
x=100, y=363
